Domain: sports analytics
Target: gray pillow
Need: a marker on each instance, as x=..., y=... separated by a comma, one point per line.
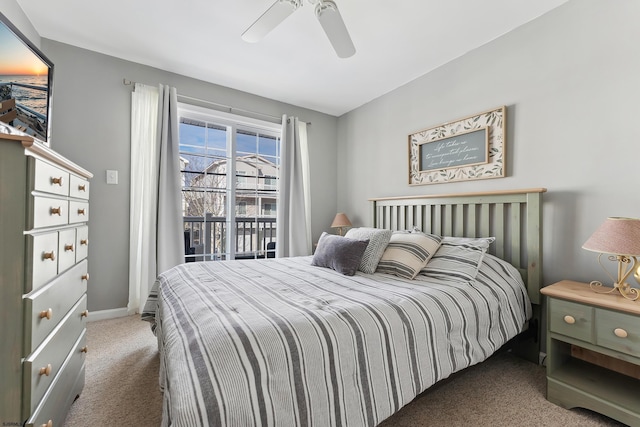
x=339, y=253
x=378, y=240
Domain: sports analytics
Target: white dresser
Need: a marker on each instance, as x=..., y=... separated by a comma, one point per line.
x=44, y=238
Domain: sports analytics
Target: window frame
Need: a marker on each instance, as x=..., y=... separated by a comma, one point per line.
x=233, y=123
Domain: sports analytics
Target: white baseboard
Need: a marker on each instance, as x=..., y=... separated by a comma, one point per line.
x=107, y=314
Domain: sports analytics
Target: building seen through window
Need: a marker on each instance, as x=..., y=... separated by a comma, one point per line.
x=230, y=172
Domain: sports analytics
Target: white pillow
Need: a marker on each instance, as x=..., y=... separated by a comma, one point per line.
x=408, y=253
x=482, y=242
x=378, y=239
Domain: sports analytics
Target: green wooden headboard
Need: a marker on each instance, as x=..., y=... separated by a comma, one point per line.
x=513, y=217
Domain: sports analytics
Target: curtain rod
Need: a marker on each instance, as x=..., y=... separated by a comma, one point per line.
x=228, y=107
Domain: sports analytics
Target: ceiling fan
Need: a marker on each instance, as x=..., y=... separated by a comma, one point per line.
x=326, y=12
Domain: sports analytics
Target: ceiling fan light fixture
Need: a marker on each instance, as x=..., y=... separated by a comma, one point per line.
x=334, y=27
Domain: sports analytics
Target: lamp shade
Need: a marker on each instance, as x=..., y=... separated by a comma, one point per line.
x=340, y=220
x=619, y=236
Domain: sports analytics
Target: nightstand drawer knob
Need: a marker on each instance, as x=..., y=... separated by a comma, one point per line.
x=620, y=333
x=569, y=319
x=49, y=424
x=48, y=314
x=46, y=370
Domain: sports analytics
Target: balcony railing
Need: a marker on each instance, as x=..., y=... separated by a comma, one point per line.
x=206, y=238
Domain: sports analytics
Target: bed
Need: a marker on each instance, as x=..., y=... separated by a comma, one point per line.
x=285, y=343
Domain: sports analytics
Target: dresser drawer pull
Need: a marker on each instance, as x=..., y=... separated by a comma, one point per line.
x=84, y=349
x=82, y=187
x=81, y=211
x=85, y=277
x=48, y=314
x=46, y=370
x=49, y=424
x=620, y=333
x=49, y=255
x=56, y=211
x=569, y=319
x=84, y=242
x=68, y=248
x=55, y=180
x=84, y=313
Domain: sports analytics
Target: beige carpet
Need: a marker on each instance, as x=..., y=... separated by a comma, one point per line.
x=122, y=389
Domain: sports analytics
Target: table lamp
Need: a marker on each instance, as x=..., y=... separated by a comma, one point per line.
x=620, y=239
x=340, y=221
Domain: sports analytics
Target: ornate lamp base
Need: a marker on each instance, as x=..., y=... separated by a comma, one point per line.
x=625, y=289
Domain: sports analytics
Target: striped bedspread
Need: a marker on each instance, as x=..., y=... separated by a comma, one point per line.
x=279, y=342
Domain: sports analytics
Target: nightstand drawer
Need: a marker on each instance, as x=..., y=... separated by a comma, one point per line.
x=571, y=319
x=618, y=331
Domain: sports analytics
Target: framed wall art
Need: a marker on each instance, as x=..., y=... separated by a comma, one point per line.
x=466, y=149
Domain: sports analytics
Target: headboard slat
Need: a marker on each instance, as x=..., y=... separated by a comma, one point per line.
x=514, y=218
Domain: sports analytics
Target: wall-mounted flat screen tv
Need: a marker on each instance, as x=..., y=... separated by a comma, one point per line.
x=26, y=84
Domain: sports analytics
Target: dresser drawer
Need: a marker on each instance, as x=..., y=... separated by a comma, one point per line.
x=571, y=319
x=47, y=212
x=50, y=179
x=66, y=249
x=618, y=331
x=78, y=212
x=42, y=259
x=44, y=364
x=66, y=386
x=45, y=307
x=82, y=242
x=78, y=187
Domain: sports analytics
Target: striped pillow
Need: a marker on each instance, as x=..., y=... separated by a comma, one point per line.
x=408, y=253
x=378, y=240
x=455, y=261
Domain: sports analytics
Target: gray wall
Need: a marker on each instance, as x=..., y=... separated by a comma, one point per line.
x=91, y=126
x=570, y=81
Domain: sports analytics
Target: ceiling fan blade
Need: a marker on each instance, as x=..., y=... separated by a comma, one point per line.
x=270, y=19
x=331, y=21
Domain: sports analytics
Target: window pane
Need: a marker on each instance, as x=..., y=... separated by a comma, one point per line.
x=206, y=187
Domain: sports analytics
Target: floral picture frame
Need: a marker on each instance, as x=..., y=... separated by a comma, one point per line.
x=458, y=147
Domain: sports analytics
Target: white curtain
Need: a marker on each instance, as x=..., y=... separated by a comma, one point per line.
x=156, y=239
x=293, y=231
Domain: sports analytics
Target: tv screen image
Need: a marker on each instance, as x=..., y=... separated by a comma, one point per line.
x=26, y=77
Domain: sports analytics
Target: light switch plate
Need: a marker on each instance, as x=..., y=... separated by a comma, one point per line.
x=112, y=177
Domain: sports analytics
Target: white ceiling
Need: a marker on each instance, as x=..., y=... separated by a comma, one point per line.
x=396, y=41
